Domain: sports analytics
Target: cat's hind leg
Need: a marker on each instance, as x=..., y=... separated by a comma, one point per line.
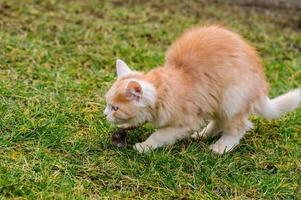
x=233, y=130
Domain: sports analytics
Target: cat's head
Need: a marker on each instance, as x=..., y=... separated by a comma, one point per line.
x=131, y=98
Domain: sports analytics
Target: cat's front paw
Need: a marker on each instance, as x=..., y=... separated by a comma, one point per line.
x=221, y=148
x=218, y=148
x=141, y=147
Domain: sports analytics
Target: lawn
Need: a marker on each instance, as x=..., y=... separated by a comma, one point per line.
x=57, y=60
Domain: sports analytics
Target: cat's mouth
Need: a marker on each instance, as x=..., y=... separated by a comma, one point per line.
x=119, y=122
x=115, y=121
x=125, y=126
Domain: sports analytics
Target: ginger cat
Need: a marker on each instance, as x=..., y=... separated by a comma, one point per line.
x=210, y=74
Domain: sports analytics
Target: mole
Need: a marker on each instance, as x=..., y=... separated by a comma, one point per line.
x=119, y=137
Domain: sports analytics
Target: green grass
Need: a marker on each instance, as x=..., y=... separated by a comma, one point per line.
x=56, y=63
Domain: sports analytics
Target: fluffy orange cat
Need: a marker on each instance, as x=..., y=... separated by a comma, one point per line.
x=210, y=74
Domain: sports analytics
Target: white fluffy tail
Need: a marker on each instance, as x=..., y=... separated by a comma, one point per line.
x=274, y=108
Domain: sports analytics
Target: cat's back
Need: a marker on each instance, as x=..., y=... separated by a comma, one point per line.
x=209, y=47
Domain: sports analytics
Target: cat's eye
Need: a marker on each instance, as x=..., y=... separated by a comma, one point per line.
x=115, y=108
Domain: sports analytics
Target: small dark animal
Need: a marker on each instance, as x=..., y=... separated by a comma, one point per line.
x=119, y=138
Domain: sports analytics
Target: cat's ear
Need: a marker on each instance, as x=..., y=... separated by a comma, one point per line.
x=121, y=68
x=134, y=91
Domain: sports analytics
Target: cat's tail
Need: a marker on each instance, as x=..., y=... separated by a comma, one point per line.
x=274, y=108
